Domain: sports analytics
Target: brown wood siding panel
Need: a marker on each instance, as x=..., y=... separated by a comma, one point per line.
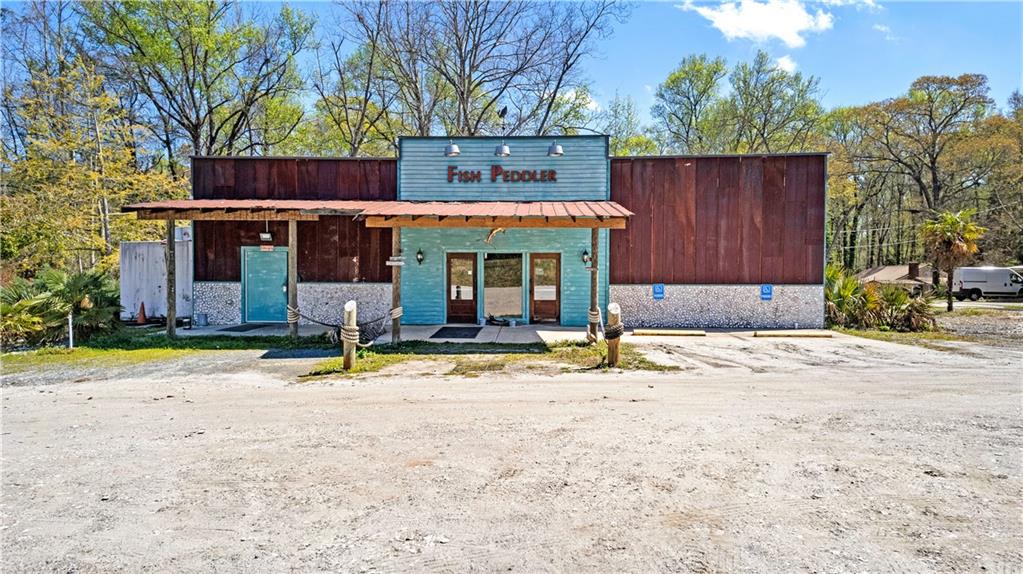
x=333, y=249
x=751, y=191
x=719, y=220
x=729, y=221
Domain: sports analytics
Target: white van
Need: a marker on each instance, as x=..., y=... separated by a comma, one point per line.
x=977, y=282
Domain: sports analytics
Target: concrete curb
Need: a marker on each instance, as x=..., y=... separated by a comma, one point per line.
x=668, y=333
x=795, y=334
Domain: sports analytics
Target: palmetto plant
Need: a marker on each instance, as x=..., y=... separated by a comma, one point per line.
x=951, y=238
x=36, y=312
x=848, y=303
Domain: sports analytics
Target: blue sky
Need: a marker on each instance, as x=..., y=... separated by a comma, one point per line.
x=861, y=52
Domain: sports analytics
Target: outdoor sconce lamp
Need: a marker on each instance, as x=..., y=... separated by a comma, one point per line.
x=586, y=256
x=452, y=149
x=266, y=236
x=420, y=257
x=555, y=150
x=502, y=150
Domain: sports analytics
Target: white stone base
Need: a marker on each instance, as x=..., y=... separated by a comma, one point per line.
x=222, y=301
x=722, y=306
x=325, y=301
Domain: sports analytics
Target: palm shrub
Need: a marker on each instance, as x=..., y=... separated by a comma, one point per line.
x=91, y=296
x=848, y=303
x=951, y=238
x=36, y=311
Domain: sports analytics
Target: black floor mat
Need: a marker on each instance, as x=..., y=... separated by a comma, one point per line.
x=243, y=328
x=456, y=333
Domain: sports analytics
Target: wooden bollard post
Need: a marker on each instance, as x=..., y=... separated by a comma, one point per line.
x=350, y=335
x=613, y=333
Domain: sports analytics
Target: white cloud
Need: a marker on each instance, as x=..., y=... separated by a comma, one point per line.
x=786, y=63
x=649, y=89
x=868, y=4
x=760, y=21
x=887, y=31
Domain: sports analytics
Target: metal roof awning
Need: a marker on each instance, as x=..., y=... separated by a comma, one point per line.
x=587, y=214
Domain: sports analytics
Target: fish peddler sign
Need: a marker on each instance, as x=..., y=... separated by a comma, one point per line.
x=499, y=173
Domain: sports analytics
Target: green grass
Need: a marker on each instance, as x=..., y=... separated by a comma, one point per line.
x=134, y=346
x=86, y=357
x=127, y=340
x=475, y=359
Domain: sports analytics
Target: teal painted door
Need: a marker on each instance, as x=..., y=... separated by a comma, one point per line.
x=265, y=284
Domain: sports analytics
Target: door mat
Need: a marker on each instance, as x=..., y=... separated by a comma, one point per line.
x=456, y=333
x=243, y=328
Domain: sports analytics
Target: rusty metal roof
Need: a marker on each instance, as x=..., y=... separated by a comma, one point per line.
x=530, y=209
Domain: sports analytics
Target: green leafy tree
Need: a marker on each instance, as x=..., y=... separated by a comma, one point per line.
x=77, y=167
x=686, y=101
x=205, y=67
x=951, y=238
x=620, y=121
x=766, y=109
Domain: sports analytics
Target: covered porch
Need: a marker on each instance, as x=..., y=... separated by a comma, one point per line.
x=487, y=217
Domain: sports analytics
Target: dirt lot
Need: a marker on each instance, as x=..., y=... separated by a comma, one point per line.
x=826, y=455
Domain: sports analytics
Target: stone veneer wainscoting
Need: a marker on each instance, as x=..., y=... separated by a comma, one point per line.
x=721, y=306
x=221, y=301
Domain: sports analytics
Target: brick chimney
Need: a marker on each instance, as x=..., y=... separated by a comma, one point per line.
x=914, y=270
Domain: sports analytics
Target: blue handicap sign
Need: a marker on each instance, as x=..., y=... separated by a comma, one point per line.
x=658, y=290
x=766, y=292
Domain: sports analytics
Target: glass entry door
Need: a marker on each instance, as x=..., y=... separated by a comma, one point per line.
x=545, y=287
x=502, y=285
x=461, y=287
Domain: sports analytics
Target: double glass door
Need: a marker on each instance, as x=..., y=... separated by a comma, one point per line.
x=502, y=287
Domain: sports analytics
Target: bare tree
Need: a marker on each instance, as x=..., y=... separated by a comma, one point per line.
x=353, y=94
x=203, y=66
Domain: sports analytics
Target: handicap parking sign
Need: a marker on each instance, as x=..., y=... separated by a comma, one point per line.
x=766, y=292
x=658, y=291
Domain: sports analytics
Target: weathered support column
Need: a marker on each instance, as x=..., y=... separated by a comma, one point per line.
x=613, y=333
x=594, y=315
x=293, y=278
x=172, y=291
x=396, y=310
x=350, y=335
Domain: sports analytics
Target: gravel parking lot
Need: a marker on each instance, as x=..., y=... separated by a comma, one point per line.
x=828, y=455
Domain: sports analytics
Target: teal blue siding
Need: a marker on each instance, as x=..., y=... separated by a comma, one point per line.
x=582, y=173
x=424, y=286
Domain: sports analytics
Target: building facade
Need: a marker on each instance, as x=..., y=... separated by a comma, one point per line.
x=714, y=241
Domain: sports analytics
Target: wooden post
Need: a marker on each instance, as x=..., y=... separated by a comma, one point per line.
x=613, y=335
x=593, y=327
x=351, y=325
x=293, y=278
x=172, y=295
x=395, y=285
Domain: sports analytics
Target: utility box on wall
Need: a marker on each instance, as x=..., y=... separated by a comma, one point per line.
x=144, y=277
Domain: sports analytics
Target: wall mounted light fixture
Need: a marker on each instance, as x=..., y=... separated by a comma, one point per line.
x=420, y=257
x=266, y=236
x=452, y=149
x=502, y=150
x=586, y=256
x=555, y=150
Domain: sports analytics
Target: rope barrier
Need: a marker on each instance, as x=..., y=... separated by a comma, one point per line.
x=350, y=334
x=293, y=314
x=397, y=312
x=614, y=331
